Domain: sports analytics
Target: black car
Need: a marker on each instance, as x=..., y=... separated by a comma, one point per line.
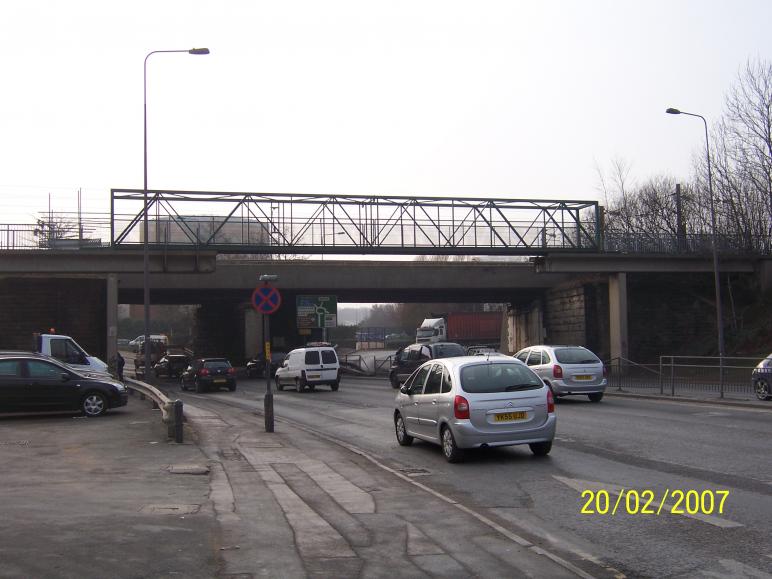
x=209, y=374
x=171, y=365
x=256, y=366
x=38, y=383
x=407, y=359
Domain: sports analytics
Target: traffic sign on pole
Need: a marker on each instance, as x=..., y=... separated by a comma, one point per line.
x=266, y=299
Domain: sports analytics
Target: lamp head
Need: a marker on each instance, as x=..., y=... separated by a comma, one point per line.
x=672, y=111
x=198, y=51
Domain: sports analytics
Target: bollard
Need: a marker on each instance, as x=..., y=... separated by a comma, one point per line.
x=178, y=421
x=268, y=406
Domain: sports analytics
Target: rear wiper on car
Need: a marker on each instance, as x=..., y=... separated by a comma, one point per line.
x=521, y=387
x=586, y=362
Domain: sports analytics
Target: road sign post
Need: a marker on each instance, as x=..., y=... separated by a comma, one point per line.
x=266, y=299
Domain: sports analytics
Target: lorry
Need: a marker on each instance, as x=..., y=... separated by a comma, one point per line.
x=467, y=328
x=67, y=350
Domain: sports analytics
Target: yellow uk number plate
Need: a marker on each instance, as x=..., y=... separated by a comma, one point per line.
x=510, y=416
x=313, y=376
x=219, y=380
x=582, y=377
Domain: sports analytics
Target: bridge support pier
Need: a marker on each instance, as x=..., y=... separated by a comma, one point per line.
x=617, y=300
x=112, y=317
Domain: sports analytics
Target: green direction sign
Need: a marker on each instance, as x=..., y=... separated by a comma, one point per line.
x=317, y=312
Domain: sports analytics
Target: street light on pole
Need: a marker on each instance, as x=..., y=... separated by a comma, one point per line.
x=716, y=278
x=145, y=249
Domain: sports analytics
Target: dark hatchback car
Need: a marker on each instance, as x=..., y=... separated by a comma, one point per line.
x=209, y=374
x=407, y=359
x=38, y=383
x=256, y=366
x=171, y=365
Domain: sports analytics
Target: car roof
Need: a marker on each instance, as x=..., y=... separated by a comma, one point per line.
x=460, y=361
x=23, y=354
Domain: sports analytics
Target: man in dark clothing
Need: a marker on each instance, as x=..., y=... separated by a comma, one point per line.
x=119, y=364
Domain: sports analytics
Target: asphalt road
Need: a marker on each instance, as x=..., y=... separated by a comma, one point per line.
x=602, y=453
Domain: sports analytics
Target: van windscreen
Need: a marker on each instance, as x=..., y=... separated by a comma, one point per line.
x=329, y=357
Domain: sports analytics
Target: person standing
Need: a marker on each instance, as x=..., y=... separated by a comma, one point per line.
x=119, y=364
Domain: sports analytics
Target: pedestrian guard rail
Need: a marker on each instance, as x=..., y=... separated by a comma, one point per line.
x=171, y=410
x=705, y=376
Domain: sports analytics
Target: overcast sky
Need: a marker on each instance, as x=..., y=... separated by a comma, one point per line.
x=484, y=98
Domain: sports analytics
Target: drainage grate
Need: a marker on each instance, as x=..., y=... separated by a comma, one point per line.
x=170, y=509
x=414, y=471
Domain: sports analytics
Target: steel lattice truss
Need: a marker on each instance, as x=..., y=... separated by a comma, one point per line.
x=274, y=223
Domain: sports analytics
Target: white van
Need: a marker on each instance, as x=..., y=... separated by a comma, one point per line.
x=308, y=368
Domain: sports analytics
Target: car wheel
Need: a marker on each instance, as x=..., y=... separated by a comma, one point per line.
x=94, y=404
x=541, y=448
x=334, y=386
x=449, y=448
x=298, y=385
x=279, y=386
x=394, y=381
x=199, y=386
x=403, y=437
x=595, y=396
x=232, y=387
x=311, y=387
x=761, y=387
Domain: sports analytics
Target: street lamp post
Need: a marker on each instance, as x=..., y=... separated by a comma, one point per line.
x=145, y=249
x=716, y=278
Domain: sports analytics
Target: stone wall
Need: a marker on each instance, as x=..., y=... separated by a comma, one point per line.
x=75, y=307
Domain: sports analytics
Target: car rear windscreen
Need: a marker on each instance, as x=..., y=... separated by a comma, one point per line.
x=448, y=350
x=329, y=357
x=216, y=364
x=487, y=378
x=575, y=356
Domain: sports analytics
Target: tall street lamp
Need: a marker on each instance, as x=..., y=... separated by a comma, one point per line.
x=145, y=249
x=716, y=279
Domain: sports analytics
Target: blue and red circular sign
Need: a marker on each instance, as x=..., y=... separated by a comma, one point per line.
x=266, y=299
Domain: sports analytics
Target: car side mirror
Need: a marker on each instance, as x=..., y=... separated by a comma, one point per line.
x=65, y=377
x=405, y=389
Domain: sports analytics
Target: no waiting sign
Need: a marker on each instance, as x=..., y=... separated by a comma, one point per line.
x=266, y=299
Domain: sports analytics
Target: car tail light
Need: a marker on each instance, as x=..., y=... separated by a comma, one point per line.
x=231, y=370
x=557, y=371
x=550, y=402
x=203, y=372
x=605, y=372
x=460, y=407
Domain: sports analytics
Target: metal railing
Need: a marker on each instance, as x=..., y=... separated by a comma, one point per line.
x=367, y=365
x=703, y=376
x=171, y=410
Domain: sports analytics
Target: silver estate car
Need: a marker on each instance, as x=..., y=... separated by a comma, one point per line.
x=567, y=369
x=474, y=402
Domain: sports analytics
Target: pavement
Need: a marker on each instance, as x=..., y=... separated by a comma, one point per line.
x=113, y=497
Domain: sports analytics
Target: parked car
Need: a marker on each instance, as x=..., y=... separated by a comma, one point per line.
x=35, y=382
x=209, y=374
x=407, y=359
x=474, y=402
x=567, y=370
x=474, y=350
x=171, y=365
x=256, y=366
x=309, y=367
x=762, y=379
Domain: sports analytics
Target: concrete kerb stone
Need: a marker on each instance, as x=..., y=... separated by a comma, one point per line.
x=760, y=405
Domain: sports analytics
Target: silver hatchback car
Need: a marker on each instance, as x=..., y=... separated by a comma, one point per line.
x=567, y=369
x=475, y=402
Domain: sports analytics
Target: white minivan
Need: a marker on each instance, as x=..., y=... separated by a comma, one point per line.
x=309, y=367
